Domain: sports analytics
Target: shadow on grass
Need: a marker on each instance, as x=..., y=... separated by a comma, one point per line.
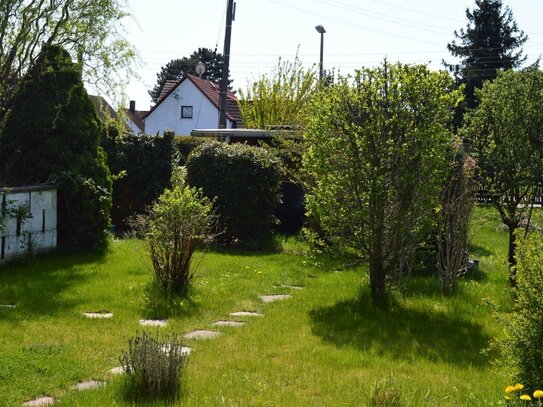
x=400, y=333
x=36, y=286
x=479, y=251
x=158, y=305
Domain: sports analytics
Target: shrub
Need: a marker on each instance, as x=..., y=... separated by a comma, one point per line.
x=524, y=331
x=180, y=221
x=184, y=145
x=154, y=366
x=146, y=165
x=245, y=181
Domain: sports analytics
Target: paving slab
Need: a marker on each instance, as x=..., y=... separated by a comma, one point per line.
x=228, y=323
x=119, y=370
x=245, y=314
x=201, y=334
x=275, y=297
x=88, y=385
x=153, y=322
x=11, y=306
x=41, y=401
x=98, y=315
x=292, y=287
x=184, y=349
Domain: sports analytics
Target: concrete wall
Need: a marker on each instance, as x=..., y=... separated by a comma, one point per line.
x=37, y=230
x=167, y=116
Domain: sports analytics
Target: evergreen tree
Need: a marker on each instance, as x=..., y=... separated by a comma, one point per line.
x=491, y=42
x=177, y=68
x=52, y=133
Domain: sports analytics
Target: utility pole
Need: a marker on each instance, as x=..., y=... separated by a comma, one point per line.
x=226, y=65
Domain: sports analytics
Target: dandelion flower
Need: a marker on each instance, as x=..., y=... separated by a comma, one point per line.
x=538, y=394
x=525, y=397
x=510, y=389
x=519, y=386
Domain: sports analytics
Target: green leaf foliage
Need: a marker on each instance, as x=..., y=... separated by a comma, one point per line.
x=378, y=148
x=52, y=134
x=146, y=166
x=245, y=183
x=506, y=133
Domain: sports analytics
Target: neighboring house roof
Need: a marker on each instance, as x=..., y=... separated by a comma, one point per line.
x=211, y=90
x=104, y=109
x=137, y=117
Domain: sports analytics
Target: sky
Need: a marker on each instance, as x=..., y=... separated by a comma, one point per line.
x=358, y=33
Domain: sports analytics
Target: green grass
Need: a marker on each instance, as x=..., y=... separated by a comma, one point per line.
x=326, y=346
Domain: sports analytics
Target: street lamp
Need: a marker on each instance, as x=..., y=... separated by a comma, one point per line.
x=320, y=29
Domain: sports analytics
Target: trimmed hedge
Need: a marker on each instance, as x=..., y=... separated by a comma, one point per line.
x=184, y=145
x=147, y=165
x=245, y=183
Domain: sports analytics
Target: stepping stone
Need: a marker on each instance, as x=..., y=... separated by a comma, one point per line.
x=153, y=322
x=88, y=385
x=201, y=334
x=292, y=287
x=42, y=401
x=98, y=315
x=166, y=348
x=119, y=370
x=228, y=323
x=8, y=306
x=245, y=314
x=276, y=297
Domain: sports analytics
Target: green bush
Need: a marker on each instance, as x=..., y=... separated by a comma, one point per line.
x=146, y=165
x=154, y=366
x=524, y=330
x=52, y=133
x=180, y=221
x=184, y=145
x=245, y=183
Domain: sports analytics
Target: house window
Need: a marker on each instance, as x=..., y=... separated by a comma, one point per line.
x=186, y=112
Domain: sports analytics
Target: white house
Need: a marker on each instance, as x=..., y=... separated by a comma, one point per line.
x=188, y=104
x=134, y=118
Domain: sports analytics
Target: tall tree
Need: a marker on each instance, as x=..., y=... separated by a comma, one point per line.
x=90, y=30
x=52, y=133
x=377, y=150
x=491, y=42
x=177, y=68
x=506, y=131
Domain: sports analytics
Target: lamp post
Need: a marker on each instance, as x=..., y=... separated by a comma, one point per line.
x=320, y=29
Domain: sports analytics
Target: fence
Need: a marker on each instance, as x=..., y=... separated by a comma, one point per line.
x=28, y=220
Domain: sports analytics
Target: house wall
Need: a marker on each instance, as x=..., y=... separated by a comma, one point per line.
x=37, y=230
x=167, y=116
x=132, y=126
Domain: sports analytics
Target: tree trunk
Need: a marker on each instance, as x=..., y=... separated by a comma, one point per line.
x=511, y=254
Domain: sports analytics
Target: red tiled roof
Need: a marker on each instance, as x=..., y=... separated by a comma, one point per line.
x=210, y=90
x=137, y=117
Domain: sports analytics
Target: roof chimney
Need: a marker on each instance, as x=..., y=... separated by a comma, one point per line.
x=132, y=106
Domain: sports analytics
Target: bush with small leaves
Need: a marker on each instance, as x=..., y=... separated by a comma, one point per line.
x=179, y=223
x=154, y=365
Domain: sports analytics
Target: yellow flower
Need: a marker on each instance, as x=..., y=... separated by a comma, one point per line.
x=538, y=394
x=525, y=397
x=510, y=389
x=519, y=386
x=507, y=398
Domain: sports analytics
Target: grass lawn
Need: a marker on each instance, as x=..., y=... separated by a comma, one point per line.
x=325, y=346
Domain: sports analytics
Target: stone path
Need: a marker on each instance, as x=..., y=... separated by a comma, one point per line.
x=118, y=370
x=202, y=334
x=153, y=322
x=292, y=287
x=184, y=349
x=275, y=297
x=228, y=323
x=88, y=385
x=98, y=315
x=12, y=306
x=41, y=401
x=245, y=314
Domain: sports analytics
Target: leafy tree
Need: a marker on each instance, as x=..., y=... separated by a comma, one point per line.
x=506, y=131
x=89, y=30
x=52, y=133
x=378, y=147
x=177, y=68
x=491, y=42
x=279, y=99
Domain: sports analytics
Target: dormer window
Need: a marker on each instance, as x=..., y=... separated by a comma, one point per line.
x=186, y=112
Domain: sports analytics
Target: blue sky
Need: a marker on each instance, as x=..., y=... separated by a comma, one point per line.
x=359, y=33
